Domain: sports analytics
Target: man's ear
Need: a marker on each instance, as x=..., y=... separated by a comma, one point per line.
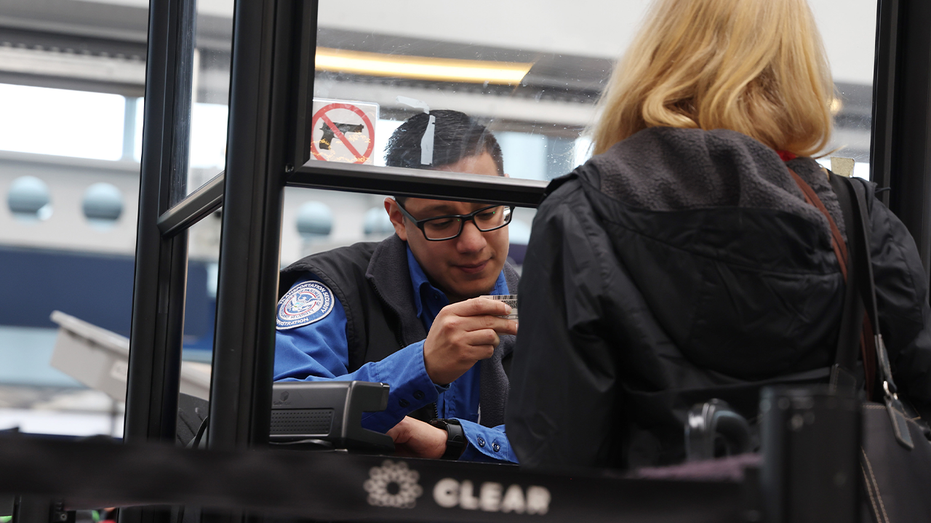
x=397, y=219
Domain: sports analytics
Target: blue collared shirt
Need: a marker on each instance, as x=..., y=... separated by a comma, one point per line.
x=319, y=351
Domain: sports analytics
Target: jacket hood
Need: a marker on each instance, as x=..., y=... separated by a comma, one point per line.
x=737, y=268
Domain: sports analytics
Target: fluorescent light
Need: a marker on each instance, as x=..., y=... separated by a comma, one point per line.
x=420, y=67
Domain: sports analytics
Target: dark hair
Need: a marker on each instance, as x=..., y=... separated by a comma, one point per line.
x=456, y=136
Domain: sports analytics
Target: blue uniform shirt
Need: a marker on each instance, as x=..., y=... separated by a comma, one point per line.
x=317, y=349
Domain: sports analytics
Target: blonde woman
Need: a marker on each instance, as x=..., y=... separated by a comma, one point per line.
x=682, y=262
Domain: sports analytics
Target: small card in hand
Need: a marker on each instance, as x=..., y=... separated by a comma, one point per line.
x=510, y=299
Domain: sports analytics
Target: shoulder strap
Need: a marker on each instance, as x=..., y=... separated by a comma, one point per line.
x=845, y=356
x=837, y=239
x=855, y=193
x=850, y=334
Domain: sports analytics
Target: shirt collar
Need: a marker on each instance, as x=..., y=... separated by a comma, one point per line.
x=419, y=279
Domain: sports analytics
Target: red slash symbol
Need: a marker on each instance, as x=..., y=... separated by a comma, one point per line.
x=334, y=131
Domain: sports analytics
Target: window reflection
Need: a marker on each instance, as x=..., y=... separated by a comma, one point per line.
x=539, y=112
x=539, y=101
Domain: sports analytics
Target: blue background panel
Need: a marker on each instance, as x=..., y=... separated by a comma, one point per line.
x=96, y=288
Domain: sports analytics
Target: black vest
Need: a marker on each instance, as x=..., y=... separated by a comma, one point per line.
x=372, y=281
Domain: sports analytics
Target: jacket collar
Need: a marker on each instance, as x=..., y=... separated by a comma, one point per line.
x=389, y=275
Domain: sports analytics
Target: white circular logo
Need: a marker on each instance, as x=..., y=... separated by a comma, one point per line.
x=393, y=485
x=304, y=304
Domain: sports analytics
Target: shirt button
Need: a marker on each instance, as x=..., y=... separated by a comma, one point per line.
x=403, y=403
x=481, y=442
x=418, y=395
x=496, y=447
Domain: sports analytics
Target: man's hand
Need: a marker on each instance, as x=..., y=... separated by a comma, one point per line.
x=462, y=334
x=416, y=439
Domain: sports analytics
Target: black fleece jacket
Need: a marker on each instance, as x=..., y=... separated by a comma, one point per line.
x=679, y=266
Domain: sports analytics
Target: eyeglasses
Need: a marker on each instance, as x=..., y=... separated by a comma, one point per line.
x=450, y=226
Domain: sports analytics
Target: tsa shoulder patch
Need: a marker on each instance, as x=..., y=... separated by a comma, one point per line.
x=305, y=303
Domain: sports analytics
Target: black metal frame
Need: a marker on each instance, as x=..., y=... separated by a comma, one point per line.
x=418, y=183
x=198, y=205
x=901, y=140
x=157, y=327
x=160, y=277
x=256, y=160
x=364, y=179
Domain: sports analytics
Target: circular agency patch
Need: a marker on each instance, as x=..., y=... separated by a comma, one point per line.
x=305, y=303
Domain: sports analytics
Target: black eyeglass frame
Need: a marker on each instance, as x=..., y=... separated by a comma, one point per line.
x=464, y=218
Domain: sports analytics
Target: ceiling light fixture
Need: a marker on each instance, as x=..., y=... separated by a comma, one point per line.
x=420, y=67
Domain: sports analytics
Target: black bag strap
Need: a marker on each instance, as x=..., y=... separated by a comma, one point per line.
x=843, y=375
x=848, y=340
x=853, y=195
x=853, y=205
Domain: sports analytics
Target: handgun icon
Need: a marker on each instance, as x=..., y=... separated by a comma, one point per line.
x=329, y=133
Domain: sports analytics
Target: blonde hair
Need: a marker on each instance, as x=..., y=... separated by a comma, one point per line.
x=757, y=67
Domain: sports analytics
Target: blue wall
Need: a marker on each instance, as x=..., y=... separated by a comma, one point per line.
x=93, y=287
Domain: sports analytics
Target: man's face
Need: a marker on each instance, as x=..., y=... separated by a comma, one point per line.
x=468, y=265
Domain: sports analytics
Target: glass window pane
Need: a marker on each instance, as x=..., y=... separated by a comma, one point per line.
x=210, y=88
x=532, y=85
x=67, y=242
x=848, y=30
x=208, y=136
x=392, y=57
x=61, y=122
